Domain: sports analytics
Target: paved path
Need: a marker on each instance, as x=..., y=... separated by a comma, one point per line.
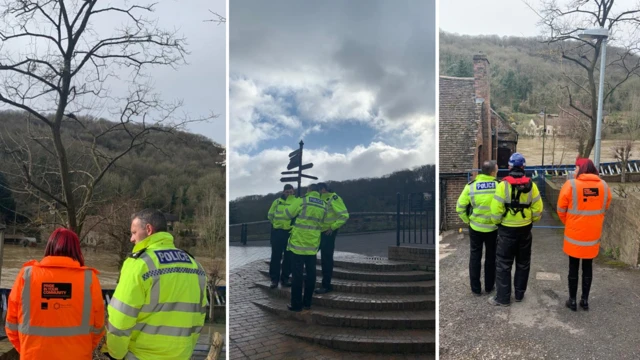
x=540, y=327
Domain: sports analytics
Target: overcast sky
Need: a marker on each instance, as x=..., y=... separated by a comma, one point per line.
x=200, y=84
x=499, y=17
x=354, y=79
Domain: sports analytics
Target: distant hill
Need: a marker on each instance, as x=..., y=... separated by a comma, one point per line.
x=371, y=194
x=527, y=74
x=171, y=175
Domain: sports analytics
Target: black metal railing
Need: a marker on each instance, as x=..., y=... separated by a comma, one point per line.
x=358, y=223
x=415, y=219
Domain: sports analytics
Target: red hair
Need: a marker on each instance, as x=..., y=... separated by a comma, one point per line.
x=64, y=242
x=586, y=166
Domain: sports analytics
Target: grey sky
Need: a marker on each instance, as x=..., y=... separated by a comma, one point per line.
x=498, y=17
x=201, y=83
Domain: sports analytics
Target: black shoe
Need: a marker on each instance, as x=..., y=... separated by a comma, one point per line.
x=571, y=304
x=489, y=291
x=286, y=283
x=322, y=291
x=306, y=307
x=494, y=302
x=519, y=298
x=292, y=309
x=274, y=284
x=477, y=294
x=584, y=303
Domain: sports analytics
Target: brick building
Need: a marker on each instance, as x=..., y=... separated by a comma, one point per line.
x=470, y=133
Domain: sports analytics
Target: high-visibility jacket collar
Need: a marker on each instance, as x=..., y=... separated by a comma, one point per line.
x=483, y=177
x=313, y=194
x=157, y=240
x=588, y=177
x=58, y=261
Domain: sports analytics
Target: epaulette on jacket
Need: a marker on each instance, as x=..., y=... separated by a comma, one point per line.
x=137, y=254
x=471, y=182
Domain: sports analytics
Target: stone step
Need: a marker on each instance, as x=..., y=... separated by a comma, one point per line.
x=366, y=302
x=377, y=264
x=367, y=340
x=377, y=287
x=385, y=276
x=425, y=319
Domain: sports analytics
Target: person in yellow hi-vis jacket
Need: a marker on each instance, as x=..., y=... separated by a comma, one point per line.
x=474, y=208
x=309, y=213
x=337, y=216
x=159, y=305
x=280, y=232
x=515, y=207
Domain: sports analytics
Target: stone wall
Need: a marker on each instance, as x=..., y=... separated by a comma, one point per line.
x=453, y=190
x=621, y=223
x=425, y=257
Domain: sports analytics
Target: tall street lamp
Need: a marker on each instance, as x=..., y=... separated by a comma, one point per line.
x=597, y=34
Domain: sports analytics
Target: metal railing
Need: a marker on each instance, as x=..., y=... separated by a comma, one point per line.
x=416, y=217
x=219, y=302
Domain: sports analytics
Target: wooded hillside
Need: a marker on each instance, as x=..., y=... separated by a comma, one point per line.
x=371, y=194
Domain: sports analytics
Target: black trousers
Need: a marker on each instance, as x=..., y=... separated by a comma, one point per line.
x=279, y=240
x=512, y=244
x=478, y=239
x=587, y=275
x=327, y=247
x=300, y=263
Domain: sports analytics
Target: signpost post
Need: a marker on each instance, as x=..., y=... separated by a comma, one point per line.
x=295, y=161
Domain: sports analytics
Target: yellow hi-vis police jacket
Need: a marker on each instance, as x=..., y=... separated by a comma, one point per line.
x=503, y=198
x=276, y=215
x=310, y=212
x=478, y=194
x=159, y=304
x=337, y=214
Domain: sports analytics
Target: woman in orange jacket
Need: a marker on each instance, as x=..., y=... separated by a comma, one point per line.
x=55, y=309
x=581, y=207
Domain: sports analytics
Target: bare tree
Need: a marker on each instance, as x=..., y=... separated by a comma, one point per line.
x=622, y=150
x=57, y=62
x=564, y=23
x=219, y=19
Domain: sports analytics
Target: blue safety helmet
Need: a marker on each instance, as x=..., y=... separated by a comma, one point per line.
x=517, y=160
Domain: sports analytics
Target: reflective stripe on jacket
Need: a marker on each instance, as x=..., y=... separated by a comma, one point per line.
x=337, y=214
x=479, y=194
x=55, y=310
x=159, y=305
x=581, y=206
x=503, y=197
x=277, y=217
x=309, y=212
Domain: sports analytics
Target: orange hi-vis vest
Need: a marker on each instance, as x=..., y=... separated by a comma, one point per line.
x=581, y=207
x=55, y=310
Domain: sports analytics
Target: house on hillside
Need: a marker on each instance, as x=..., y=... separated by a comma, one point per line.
x=470, y=133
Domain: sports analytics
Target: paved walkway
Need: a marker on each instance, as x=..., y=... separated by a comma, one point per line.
x=540, y=327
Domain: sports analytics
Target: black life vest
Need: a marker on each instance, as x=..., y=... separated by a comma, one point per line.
x=519, y=185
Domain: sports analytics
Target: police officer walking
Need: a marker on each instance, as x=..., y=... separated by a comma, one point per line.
x=310, y=212
x=336, y=217
x=474, y=208
x=515, y=207
x=279, y=237
x=159, y=304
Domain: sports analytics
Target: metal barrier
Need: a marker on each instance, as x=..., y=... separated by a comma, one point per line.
x=220, y=296
x=415, y=215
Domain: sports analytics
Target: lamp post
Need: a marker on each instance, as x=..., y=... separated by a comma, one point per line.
x=2, y=228
x=598, y=34
x=543, y=112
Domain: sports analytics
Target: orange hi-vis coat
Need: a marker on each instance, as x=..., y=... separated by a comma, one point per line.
x=581, y=207
x=55, y=310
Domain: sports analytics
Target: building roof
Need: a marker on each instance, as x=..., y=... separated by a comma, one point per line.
x=458, y=121
x=506, y=132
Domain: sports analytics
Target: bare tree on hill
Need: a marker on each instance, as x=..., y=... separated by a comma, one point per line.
x=565, y=22
x=62, y=59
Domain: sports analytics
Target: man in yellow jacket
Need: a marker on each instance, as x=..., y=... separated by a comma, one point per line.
x=515, y=207
x=474, y=208
x=309, y=212
x=159, y=305
x=280, y=232
x=337, y=216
